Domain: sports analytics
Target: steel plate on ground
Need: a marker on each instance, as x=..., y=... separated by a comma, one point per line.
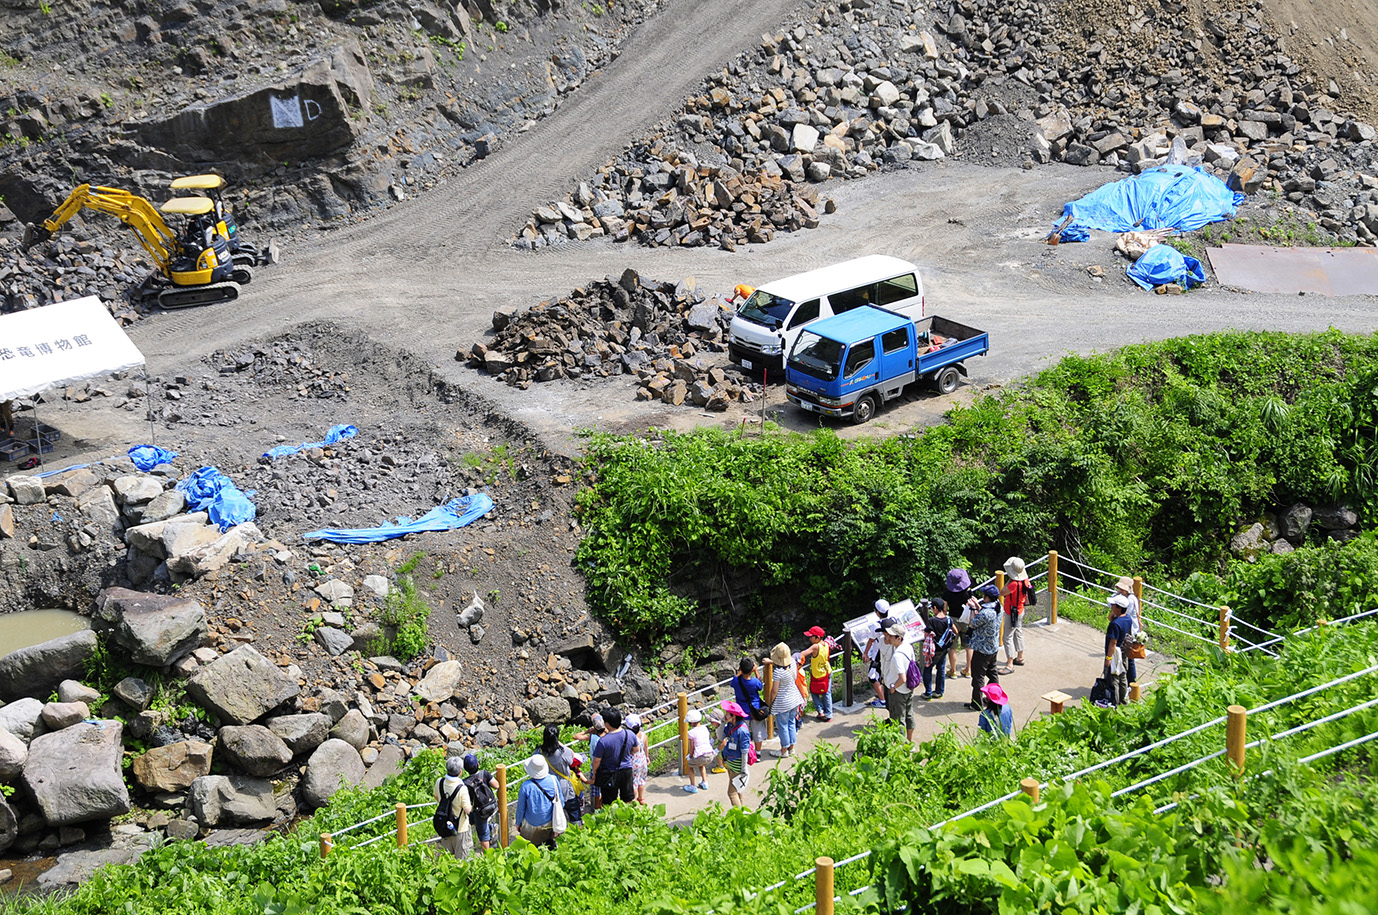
x=1327, y=271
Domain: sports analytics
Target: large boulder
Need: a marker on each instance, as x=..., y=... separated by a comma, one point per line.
x=213, y=554
x=639, y=691
x=9, y=826
x=253, y=748
x=13, y=753
x=334, y=765
x=23, y=718
x=59, y=715
x=352, y=729
x=157, y=629
x=440, y=681
x=549, y=710
x=301, y=733
x=230, y=800
x=173, y=767
x=37, y=670
x=310, y=114
x=241, y=686
x=74, y=775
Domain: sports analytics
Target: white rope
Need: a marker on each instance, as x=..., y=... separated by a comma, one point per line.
x=1169, y=773
x=1213, y=625
x=367, y=842
x=349, y=829
x=1314, y=689
x=1344, y=746
x=1172, y=628
x=419, y=806
x=1185, y=600
x=1089, y=584
x=1087, y=565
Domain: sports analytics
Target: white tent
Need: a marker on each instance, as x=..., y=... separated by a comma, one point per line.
x=58, y=344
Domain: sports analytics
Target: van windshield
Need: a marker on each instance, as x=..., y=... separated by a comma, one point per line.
x=816, y=356
x=767, y=309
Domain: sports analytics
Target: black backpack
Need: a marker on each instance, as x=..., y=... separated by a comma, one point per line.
x=485, y=801
x=444, y=820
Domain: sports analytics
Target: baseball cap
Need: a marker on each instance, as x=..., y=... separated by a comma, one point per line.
x=816, y=632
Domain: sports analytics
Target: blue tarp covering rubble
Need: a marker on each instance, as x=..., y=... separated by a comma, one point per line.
x=336, y=434
x=1169, y=197
x=1162, y=264
x=453, y=514
x=208, y=490
x=146, y=457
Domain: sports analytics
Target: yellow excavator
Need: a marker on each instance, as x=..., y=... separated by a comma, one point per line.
x=213, y=186
x=193, y=268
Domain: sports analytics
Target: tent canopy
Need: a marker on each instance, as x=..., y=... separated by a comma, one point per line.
x=62, y=343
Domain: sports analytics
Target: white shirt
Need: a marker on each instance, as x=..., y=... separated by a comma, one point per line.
x=896, y=667
x=700, y=744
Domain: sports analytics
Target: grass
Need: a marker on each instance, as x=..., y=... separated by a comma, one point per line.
x=1292, y=228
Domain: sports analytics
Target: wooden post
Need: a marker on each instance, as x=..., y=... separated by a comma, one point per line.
x=503, y=831
x=848, y=646
x=683, y=734
x=1235, y=727
x=327, y=845
x=1224, y=628
x=823, y=886
x=1000, y=586
x=401, y=825
x=1052, y=587
x=1139, y=592
x=769, y=679
x=1134, y=691
x=1030, y=787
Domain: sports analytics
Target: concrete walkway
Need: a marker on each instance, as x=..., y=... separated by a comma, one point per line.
x=1067, y=657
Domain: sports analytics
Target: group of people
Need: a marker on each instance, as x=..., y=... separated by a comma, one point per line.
x=904, y=655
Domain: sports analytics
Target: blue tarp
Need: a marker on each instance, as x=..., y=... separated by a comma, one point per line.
x=1165, y=264
x=210, y=491
x=1168, y=197
x=336, y=434
x=146, y=457
x=455, y=513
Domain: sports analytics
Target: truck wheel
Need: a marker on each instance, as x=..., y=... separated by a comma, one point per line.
x=865, y=408
x=948, y=380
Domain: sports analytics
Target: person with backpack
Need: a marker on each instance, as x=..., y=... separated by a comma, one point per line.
x=939, y=635
x=1019, y=593
x=875, y=640
x=540, y=816
x=738, y=752
x=820, y=671
x=453, y=810
x=784, y=700
x=985, y=641
x=901, y=675
x=746, y=688
x=482, y=790
x=561, y=760
x=957, y=586
x=1125, y=587
x=611, y=772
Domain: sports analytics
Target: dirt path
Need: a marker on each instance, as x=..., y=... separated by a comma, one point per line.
x=1064, y=657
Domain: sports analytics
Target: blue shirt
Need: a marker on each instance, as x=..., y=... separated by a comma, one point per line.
x=536, y=801
x=615, y=750
x=987, y=722
x=737, y=742
x=1119, y=630
x=985, y=629
x=748, y=692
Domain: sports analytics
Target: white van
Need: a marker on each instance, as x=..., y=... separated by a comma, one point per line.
x=768, y=322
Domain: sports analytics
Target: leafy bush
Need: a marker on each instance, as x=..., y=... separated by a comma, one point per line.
x=406, y=613
x=1147, y=458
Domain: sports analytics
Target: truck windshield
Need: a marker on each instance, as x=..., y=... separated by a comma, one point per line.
x=767, y=309
x=816, y=356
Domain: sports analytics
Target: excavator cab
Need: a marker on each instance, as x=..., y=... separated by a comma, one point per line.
x=204, y=256
x=212, y=187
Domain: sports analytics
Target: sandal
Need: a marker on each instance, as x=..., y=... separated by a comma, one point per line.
x=1018, y=663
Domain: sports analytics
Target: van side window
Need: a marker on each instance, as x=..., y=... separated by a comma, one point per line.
x=859, y=356
x=852, y=298
x=895, y=340
x=806, y=312
x=898, y=289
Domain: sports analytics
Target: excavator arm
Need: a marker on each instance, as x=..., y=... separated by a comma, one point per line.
x=133, y=211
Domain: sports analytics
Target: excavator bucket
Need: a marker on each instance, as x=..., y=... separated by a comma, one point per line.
x=33, y=235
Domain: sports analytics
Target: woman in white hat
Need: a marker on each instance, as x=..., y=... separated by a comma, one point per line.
x=700, y=752
x=537, y=802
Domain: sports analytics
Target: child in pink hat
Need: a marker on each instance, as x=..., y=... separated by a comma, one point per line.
x=736, y=749
x=996, y=717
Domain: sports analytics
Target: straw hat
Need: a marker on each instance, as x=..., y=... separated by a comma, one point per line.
x=780, y=655
x=1014, y=569
x=1125, y=584
x=536, y=767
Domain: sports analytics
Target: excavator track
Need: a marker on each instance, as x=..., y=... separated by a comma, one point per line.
x=198, y=295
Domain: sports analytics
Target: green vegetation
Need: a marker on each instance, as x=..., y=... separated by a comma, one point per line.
x=405, y=613
x=1144, y=459
x=1305, y=824
x=1292, y=228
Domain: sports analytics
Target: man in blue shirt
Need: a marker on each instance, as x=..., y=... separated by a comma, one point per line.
x=996, y=717
x=985, y=638
x=612, y=761
x=1116, y=634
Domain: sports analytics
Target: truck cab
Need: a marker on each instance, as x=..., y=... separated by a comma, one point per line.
x=849, y=364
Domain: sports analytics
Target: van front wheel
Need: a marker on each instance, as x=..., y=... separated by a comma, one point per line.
x=948, y=380
x=865, y=408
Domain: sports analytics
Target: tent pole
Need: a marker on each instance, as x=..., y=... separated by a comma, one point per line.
x=148, y=399
x=37, y=439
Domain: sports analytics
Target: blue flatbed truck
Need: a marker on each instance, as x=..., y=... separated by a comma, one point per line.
x=849, y=364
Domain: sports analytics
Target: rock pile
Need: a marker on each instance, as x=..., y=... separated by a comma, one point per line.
x=1285, y=530
x=632, y=325
x=863, y=85
x=72, y=265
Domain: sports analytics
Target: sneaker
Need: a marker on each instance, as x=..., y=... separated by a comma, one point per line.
x=937, y=695
x=703, y=786
x=927, y=697
x=971, y=706
x=826, y=720
x=717, y=770
x=690, y=789
x=876, y=703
